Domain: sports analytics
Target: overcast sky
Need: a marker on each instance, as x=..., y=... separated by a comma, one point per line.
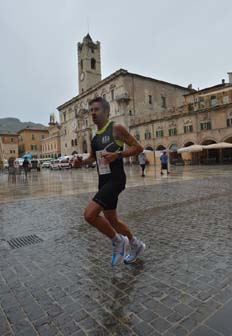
x=177, y=41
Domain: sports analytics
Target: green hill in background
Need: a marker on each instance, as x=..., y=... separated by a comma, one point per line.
x=13, y=125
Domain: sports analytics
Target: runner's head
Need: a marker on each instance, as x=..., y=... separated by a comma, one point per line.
x=100, y=110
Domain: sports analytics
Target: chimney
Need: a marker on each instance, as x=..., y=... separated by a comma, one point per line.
x=223, y=81
x=230, y=77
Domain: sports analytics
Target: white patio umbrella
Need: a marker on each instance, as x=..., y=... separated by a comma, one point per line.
x=191, y=149
x=219, y=145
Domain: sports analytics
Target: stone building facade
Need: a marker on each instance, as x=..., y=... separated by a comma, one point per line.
x=134, y=100
x=30, y=141
x=9, y=146
x=50, y=145
x=204, y=118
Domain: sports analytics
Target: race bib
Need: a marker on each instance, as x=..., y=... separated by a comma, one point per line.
x=103, y=167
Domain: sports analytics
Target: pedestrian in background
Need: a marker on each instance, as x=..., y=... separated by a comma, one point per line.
x=142, y=162
x=164, y=163
x=26, y=164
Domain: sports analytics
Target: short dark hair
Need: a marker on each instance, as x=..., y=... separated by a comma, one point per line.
x=104, y=103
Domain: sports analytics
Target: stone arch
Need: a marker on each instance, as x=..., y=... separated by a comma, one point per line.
x=188, y=143
x=227, y=138
x=149, y=147
x=160, y=148
x=174, y=156
x=208, y=141
x=173, y=147
x=74, y=152
x=210, y=155
x=226, y=153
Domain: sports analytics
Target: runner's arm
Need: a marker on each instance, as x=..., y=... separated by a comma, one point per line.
x=90, y=159
x=122, y=134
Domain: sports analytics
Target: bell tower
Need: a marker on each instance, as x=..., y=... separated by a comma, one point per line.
x=89, y=63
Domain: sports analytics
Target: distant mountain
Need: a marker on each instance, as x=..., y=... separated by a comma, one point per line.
x=13, y=125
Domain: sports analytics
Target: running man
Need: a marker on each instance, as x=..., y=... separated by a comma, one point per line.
x=107, y=151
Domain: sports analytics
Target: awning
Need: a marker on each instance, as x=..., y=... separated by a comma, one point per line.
x=219, y=145
x=191, y=149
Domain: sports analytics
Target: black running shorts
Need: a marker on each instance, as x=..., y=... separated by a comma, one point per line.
x=107, y=196
x=164, y=166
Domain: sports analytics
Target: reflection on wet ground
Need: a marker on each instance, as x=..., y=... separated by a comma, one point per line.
x=68, y=182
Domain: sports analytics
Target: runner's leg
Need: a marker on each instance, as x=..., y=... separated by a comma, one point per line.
x=118, y=225
x=101, y=223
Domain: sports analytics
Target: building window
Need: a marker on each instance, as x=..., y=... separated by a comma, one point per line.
x=213, y=101
x=93, y=63
x=64, y=116
x=201, y=102
x=66, y=145
x=72, y=143
x=51, y=147
x=11, y=139
x=225, y=100
x=150, y=99
x=206, y=125
x=147, y=135
x=86, y=122
x=112, y=94
x=75, y=142
x=159, y=133
x=32, y=137
x=190, y=107
x=188, y=128
x=81, y=64
x=229, y=122
x=33, y=147
x=163, y=102
x=172, y=131
x=137, y=136
x=42, y=136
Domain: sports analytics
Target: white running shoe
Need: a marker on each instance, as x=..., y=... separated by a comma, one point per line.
x=136, y=249
x=119, y=250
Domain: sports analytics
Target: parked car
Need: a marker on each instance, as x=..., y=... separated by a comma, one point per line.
x=46, y=164
x=63, y=163
x=35, y=164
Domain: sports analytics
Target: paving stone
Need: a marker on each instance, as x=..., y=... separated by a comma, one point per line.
x=221, y=321
x=160, y=325
x=147, y=315
x=204, y=331
x=183, y=309
x=143, y=329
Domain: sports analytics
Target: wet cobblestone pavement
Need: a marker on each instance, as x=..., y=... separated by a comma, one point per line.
x=65, y=285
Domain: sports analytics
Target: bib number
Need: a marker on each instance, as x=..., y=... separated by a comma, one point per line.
x=103, y=166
